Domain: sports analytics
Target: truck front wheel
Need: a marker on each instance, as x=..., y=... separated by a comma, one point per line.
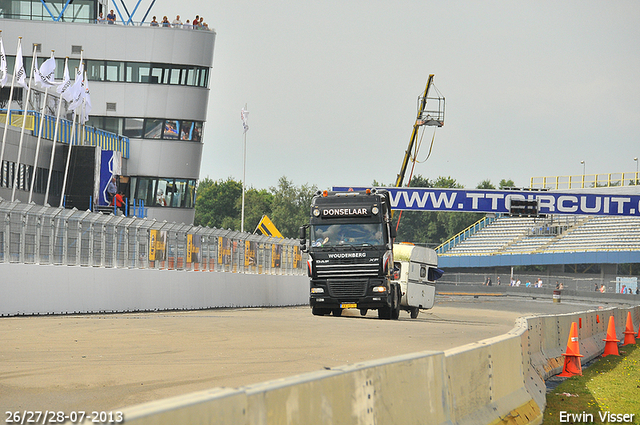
x=320, y=311
x=395, y=307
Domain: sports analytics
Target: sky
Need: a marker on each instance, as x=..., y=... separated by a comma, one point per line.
x=532, y=88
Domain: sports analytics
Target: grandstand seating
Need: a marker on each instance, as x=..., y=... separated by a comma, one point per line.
x=511, y=235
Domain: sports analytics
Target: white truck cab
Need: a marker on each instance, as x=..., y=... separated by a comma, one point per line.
x=416, y=272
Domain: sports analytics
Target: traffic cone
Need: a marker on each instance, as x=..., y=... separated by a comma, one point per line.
x=572, y=364
x=611, y=346
x=628, y=332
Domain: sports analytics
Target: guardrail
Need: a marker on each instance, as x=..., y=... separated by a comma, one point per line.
x=586, y=181
x=35, y=234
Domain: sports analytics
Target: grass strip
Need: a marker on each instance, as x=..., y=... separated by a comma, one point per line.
x=608, y=390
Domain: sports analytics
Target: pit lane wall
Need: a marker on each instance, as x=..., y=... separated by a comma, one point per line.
x=32, y=289
x=494, y=381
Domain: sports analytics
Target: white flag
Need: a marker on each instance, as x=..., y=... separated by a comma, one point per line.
x=76, y=90
x=244, y=115
x=18, y=69
x=66, y=82
x=45, y=76
x=3, y=65
x=87, y=100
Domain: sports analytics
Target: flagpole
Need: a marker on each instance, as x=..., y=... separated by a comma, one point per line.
x=79, y=79
x=244, y=168
x=66, y=168
x=24, y=122
x=55, y=134
x=35, y=162
x=8, y=120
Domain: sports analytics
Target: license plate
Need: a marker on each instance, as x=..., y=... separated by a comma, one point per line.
x=348, y=305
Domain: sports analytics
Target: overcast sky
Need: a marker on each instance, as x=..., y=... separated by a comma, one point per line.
x=532, y=88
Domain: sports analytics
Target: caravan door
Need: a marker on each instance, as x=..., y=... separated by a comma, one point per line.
x=420, y=292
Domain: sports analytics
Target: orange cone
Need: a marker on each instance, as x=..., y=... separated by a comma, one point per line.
x=628, y=332
x=611, y=346
x=572, y=364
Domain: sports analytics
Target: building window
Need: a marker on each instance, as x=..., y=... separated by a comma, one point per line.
x=164, y=192
x=133, y=127
x=153, y=128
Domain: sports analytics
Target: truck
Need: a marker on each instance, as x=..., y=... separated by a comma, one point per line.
x=350, y=259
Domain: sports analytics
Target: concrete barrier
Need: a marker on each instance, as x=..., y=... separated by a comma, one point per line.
x=497, y=380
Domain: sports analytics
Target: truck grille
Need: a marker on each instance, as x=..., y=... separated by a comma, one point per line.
x=346, y=268
x=347, y=288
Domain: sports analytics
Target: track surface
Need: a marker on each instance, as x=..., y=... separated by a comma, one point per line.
x=105, y=362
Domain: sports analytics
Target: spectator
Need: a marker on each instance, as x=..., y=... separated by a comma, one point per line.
x=195, y=22
x=595, y=287
x=602, y=289
x=120, y=202
x=177, y=23
x=112, y=188
x=187, y=25
x=111, y=17
x=165, y=22
x=100, y=19
x=154, y=23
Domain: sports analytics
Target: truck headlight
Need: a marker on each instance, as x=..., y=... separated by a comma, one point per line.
x=317, y=290
x=379, y=289
x=374, y=210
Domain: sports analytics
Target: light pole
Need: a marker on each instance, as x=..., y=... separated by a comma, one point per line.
x=636, y=160
x=583, y=168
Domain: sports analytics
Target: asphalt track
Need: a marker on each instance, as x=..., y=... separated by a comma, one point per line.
x=106, y=362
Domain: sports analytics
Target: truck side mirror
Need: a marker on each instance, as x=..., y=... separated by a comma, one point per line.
x=394, y=233
x=303, y=238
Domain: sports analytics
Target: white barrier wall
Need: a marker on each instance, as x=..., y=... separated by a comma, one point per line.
x=497, y=380
x=47, y=289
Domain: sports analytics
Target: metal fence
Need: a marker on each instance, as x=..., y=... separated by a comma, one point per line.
x=35, y=234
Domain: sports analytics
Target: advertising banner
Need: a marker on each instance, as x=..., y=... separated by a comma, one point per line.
x=499, y=201
x=276, y=255
x=250, y=251
x=224, y=250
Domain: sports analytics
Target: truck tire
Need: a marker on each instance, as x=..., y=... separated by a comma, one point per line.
x=414, y=312
x=395, y=305
x=320, y=311
x=384, y=313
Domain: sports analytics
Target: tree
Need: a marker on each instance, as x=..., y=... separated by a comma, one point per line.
x=485, y=184
x=217, y=200
x=291, y=205
x=506, y=183
x=257, y=203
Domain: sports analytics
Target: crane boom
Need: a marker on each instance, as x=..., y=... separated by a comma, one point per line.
x=421, y=120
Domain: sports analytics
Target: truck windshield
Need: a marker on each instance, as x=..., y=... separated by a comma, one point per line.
x=352, y=234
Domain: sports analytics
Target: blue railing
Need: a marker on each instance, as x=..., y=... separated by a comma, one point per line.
x=92, y=136
x=466, y=233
